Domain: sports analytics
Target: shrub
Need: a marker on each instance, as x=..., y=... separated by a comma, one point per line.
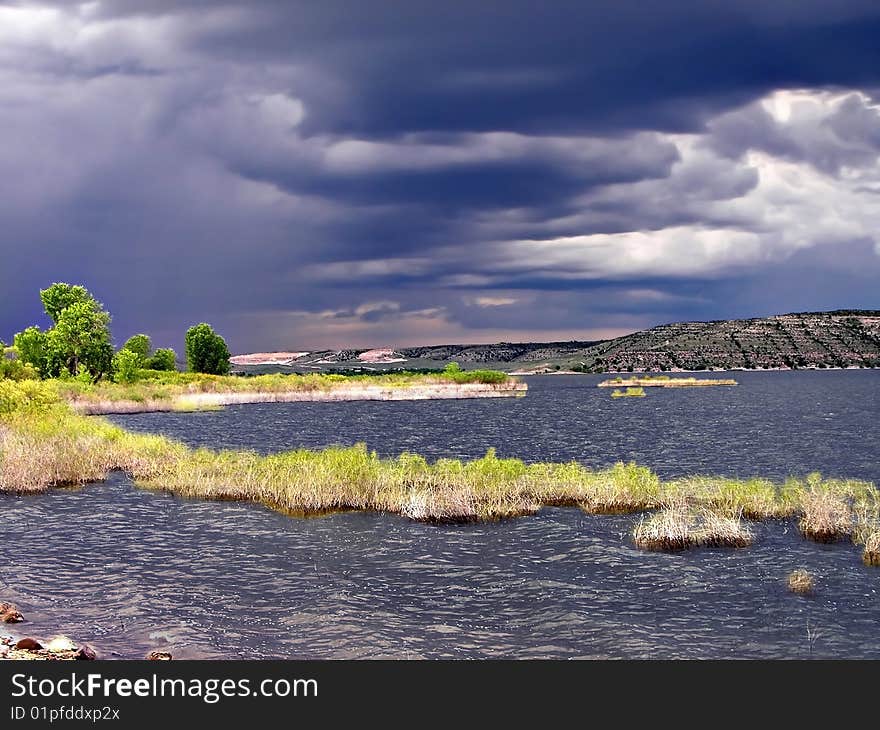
x=140, y=345
x=454, y=372
x=12, y=368
x=26, y=395
x=164, y=359
x=126, y=366
x=206, y=351
x=30, y=344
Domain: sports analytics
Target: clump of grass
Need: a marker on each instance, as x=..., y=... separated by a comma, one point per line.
x=669, y=529
x=678, y=526
x=871, y=554
x=723, y=531
x=628, y=393
x=801, y=582
x=827, y=515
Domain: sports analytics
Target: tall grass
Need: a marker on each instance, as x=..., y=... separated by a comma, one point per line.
x=681, y=524
x=44, y=444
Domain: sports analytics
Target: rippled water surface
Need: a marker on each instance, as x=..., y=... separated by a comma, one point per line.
x=130, y=570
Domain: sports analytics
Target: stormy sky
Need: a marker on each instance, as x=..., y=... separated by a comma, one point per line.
x=329, y=174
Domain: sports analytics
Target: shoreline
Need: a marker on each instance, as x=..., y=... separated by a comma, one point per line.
x=359, y=392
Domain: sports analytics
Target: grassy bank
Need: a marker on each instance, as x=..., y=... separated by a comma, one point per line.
x=156, y=390
x=44, y=444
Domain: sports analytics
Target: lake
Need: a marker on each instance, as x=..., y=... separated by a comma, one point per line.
x=130, y=571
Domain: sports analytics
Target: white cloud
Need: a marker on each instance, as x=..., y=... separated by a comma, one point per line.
x=492, y=301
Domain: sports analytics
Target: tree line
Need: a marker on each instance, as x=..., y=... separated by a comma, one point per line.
x=79, y=344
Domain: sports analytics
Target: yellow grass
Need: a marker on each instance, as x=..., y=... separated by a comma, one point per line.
x=679, y=525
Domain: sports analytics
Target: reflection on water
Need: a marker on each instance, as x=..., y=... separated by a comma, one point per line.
x=131, y=571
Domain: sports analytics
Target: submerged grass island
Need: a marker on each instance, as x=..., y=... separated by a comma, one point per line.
x=663, y=381
x=45, y=443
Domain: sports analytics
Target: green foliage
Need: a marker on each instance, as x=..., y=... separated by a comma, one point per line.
x=141, y=345
x=31, y=346
x=79, y=343
x=126, y=366
x=80, y=339
x=454, y=372
x=60, y=296
x=164, y=359
x=206, y=351
x=12, y=368
x=27, y=395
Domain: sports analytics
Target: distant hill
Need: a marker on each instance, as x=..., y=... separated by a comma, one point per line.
x=500, y=352
x=842, y=338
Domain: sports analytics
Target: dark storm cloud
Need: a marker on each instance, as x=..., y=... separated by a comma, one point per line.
x=323, y=173
x=569, y=65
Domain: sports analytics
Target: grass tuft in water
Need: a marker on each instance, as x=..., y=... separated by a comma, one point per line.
x=801, y=582
x=628, y=393
x=680, y=525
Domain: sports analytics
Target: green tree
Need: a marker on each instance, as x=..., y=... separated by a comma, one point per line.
x=163, y=359
x=60, y=296
x=31, y=346
x=126, y=366
x=80, y=340
x=141, y=345
x=206, y=351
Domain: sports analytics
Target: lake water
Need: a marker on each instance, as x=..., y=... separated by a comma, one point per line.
x=130, y=571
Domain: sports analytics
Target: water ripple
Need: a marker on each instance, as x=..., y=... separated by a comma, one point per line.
x=131, y=571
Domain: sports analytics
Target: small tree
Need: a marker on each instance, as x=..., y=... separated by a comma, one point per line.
x=141, y=345
x=206, y=351
x=80, y=339
x=163, y=359
x=126, y=366
x=31, y=346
